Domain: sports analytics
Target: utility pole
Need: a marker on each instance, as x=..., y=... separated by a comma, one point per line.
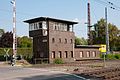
x=107, y=33
x=14, y=32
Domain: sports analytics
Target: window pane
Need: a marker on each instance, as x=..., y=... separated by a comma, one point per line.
x=65, y=40
x=53, y=40
x=81, y=54
x=59, y=40
x=72, y=54
x=40, y=25
x=94, y=54
x=66, y=54
x=60, y=54
x=53, y=54
x=88, y=53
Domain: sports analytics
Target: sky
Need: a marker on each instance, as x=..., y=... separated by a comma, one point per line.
x=61, y=9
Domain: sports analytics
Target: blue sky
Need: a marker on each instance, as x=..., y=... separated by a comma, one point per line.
x=63, y=9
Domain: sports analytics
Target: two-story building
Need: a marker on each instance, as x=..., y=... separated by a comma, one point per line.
x=54, y=38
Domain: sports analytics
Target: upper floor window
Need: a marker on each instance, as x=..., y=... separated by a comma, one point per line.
x=44, y=25
x=60, y=40
x=40, y=25
x=65, y=40
x=37, y=25
x=60, y=26
x=53, y=40
x=71, y=41
x=55, y=27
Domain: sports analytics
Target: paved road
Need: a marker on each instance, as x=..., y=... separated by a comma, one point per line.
x=19, y=73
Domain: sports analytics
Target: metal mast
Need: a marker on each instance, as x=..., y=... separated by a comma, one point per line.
x=14, y=29
x=107, y=32
x=89, y=24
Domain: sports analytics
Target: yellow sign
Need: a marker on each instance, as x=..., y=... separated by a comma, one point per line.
x=102, y=48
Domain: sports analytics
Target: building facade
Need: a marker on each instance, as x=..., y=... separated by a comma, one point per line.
x=52, y=38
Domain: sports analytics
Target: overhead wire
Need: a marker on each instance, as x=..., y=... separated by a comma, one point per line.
x=108, y=4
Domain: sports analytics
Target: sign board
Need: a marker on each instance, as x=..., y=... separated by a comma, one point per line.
x=102, y=48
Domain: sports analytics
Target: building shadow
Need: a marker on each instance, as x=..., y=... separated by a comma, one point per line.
x=52, y=77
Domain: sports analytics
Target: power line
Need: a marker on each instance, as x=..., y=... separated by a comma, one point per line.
x=18, y=13
x=109, y=4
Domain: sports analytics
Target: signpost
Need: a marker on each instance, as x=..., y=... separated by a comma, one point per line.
x=6, y=53
x=103, y=51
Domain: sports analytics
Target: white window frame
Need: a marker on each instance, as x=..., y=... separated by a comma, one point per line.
x=88, y=53
x=94, y=53
x=81, y=54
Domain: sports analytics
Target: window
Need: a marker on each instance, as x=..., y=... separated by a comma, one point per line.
x=59, y=40
x=60, y=54
x=53, y=40
x=94, y=54
x=81, y=54
x=71, y=41
x=55, y=27
x=65, y=40
x=88, y=53
x=66, y=54
x=40, y=25
x=44, y=24
x=53, y=54
x=44, y=32
x=72, y=54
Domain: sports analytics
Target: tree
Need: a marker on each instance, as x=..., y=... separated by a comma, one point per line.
x=7, y=40
x=80, y=41
x=1, y=32
x=99, y=34
x=24, y=42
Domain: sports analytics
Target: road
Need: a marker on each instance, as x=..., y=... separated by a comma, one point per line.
x=19, y=73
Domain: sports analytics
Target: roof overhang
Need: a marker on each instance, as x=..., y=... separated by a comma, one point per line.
x=50, y=19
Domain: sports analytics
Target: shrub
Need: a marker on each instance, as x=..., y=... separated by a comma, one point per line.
x=110, y=56
x=2, y=58
x=117, y=56
x=26, y=53
x=58, y=61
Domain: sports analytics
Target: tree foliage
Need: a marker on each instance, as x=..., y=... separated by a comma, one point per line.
x=6, y=40
x=80, y=41
x=24, y=42
x=1, y=32
x=99, y=34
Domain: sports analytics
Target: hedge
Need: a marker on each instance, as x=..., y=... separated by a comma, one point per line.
x=26, y=53
x=111, y=56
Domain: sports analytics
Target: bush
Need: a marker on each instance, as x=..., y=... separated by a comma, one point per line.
x=110, y=56
x=2, y=58
x=117, y=56
x=58, y=61
x=26, y=53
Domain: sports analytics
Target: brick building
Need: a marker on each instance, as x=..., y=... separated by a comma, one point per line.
x=54, y=38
